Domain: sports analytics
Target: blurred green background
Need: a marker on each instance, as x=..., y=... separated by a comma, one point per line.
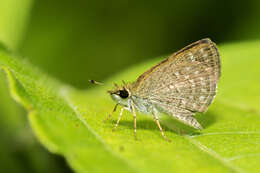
x=79, y=40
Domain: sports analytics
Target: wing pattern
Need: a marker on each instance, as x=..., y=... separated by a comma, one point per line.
x=184, y=83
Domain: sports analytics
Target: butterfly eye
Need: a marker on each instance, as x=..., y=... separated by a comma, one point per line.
x=123, y=94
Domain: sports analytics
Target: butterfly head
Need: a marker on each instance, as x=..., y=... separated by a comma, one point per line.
x=120, y=94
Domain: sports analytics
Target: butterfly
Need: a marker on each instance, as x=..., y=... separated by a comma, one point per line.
x=179, y=86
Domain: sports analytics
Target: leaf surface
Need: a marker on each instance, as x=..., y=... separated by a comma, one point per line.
x=70, y=122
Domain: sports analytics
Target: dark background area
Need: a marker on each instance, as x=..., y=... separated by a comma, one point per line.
x=95, y=39
x=75, y=41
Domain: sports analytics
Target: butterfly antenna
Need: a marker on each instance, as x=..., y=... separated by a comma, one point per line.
x=95, y=82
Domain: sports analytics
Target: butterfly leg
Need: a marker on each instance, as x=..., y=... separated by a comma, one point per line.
x=109, y=115
x=156, y=119
x=118, y=120
x=134, y=116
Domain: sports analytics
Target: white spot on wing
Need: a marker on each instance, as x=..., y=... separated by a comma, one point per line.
x=203, y=90
x=177, y=74
x=205, y=55
x=201, y=98
x=183, y=102
x=191, y=57
x=187, y=68
x=196, y=72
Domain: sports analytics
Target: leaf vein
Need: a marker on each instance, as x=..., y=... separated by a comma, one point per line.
x=212, y=153
x=226, y=133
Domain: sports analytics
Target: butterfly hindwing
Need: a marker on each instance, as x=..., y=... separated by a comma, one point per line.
x=184, y=83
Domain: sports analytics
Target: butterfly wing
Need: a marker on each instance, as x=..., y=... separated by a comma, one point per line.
x=185, y=82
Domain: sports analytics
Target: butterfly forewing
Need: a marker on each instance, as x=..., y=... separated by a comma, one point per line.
x=184, y=83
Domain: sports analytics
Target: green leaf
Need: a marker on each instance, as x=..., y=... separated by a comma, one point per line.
x=70, y=122
x=20, y=152
x=13, y=19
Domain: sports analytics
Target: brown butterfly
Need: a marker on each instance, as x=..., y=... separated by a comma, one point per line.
x=181, y=85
